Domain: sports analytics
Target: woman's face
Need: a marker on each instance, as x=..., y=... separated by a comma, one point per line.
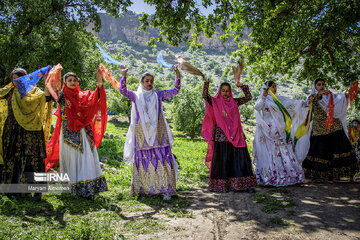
x=357, y=125
x=273, y=88
x=14, y=76
x=148, y=82
x=320, y=86
x=225, y=92
x=71, y=82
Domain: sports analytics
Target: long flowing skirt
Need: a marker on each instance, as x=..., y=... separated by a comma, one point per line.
x=278, y=168
x=330, y=157
x=23, y=151
x=83, y=169
x=154, y=172
x=231, y=169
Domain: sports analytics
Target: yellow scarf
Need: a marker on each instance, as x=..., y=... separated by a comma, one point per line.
x=354, y=135
x=32, y=112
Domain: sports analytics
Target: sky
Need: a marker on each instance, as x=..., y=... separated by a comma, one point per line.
x=140, y=6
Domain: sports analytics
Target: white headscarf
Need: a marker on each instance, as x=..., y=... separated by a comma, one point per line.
x=147, y=105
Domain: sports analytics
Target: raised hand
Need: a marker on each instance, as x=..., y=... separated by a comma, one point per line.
x=176, y=70
x=123, y=70
x=206, y=79
x=237, y=71
x=266, y=92
x=99, y=77
x=239, y=84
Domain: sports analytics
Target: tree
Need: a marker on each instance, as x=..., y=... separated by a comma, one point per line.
x=188, y=110
x=321, y=35
x=120, y=104
x=37, y=33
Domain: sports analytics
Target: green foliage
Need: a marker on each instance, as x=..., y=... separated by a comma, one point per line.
x=321, y=36
x=37, y=33
x=188, y=110
x=117, y=102
x=247, y=110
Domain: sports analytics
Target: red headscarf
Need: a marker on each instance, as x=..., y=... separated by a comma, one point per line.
x=82, y=108
x=226, y=115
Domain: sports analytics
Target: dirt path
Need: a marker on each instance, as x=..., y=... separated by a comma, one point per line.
x=317, y=211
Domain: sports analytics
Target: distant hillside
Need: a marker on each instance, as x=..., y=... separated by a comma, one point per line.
x=126, y=30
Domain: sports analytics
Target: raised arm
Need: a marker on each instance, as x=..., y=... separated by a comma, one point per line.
x=123, y=89
x=259, y=106
x=246, y=92
x=206, y=94
x=166, y=94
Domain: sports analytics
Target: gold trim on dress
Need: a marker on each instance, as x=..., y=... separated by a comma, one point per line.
x=156, y=179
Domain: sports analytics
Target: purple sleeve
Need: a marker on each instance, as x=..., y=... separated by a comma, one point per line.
x=124, y=91
x=172, y=92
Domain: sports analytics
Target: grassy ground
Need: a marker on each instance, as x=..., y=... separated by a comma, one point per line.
x=195, y=213
x=61, y=216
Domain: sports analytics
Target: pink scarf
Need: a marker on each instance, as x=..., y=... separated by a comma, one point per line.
x=226, y=115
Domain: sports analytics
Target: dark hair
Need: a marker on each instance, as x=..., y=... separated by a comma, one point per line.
x=225, y=84
x=355, y=120
x=145, y=75
x=269, y=83
x=70, y=74
x=18, y=71
x=319, y=79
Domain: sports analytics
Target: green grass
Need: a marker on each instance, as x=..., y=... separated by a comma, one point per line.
x=271, y=204
x=280, y=221
x=61, y=216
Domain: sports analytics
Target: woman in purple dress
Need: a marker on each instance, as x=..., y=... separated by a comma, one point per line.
x=149, y=138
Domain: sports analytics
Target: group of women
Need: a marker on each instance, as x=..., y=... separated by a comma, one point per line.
x=294, y=139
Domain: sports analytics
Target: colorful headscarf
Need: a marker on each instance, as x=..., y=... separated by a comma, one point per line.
x=106, y=74
x=226, y=115
x=107, y=57
x=160, y=60
x=27, y=82
x=53, y=81
x=82, y=108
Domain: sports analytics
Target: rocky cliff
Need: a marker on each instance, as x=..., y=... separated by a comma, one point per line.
x=126, y=30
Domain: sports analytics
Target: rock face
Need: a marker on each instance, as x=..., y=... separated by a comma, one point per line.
x=126, y=30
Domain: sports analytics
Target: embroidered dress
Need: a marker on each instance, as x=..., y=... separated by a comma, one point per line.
x=276, y=161
x=23, y=150
x=79, y=129
x=148, y=142
x=229, y=161
x=331, y=156
x=79, y=158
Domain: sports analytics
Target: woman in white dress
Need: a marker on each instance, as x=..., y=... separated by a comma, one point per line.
x=82, y=117
x=277, y=118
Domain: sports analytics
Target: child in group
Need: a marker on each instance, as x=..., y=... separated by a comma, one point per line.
x=81, y=124
x=275, y=159
x=331, y=156
x=23, y=142
x=354, y=134
x=227, y=158
x=149, y=138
